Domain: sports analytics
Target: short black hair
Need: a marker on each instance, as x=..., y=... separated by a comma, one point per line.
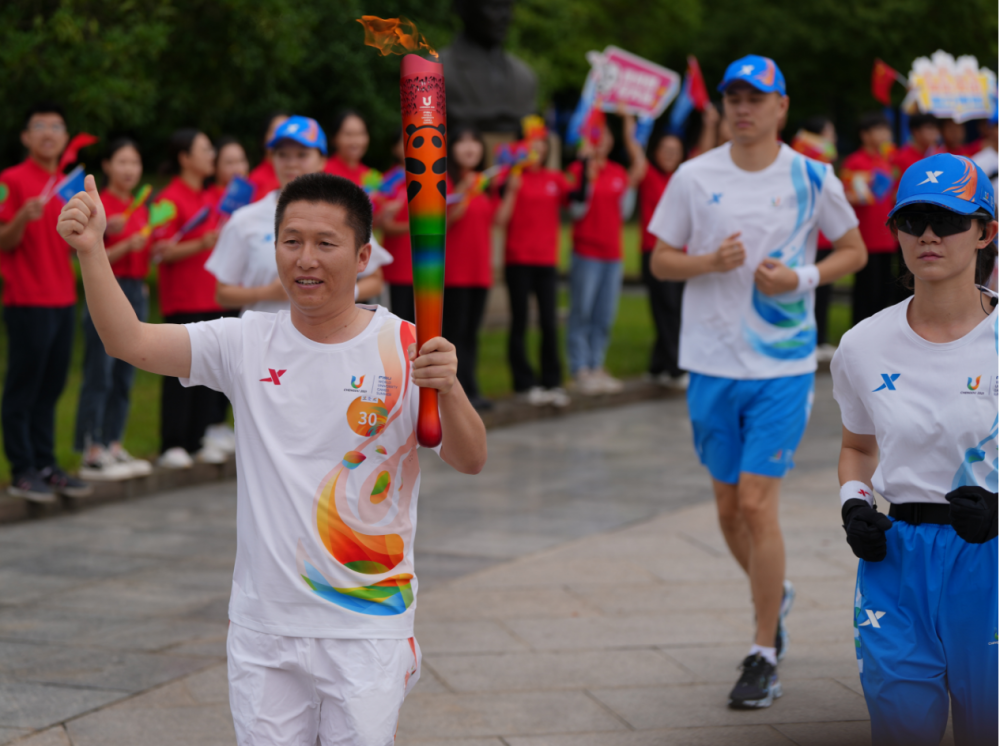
x=43, y=107
x=816, y=124
x=338, y=122
x=922, y=120
x=872, y=119
x=333, y=190
x=180, y=141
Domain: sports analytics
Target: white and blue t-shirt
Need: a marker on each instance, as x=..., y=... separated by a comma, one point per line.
x=932, y=407
x=729, y=328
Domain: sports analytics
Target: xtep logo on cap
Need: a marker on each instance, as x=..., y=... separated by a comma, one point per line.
x=888, y=381
x=275, y=376
x=931, y=177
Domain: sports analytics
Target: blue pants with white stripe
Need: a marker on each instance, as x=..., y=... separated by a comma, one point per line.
x=925, y=627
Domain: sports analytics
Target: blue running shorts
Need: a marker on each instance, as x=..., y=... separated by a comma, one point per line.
x=748, y=425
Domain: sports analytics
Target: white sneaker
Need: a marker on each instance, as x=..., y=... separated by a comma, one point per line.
x=104, y=468
x=558, y=397
x=220, y=437
x=588, y=383
x=210, y=454
x=538, y=397
x=138, y=467
x=175, y=458
x=824, y=353
x=607, y=383
x=677, y=383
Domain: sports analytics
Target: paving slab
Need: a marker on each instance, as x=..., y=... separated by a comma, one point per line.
x=754, y=735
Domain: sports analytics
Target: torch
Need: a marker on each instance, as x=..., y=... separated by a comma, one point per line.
x=422, y=100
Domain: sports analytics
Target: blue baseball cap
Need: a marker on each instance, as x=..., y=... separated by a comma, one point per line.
x=760, y=72
x=303, y=130
x=952, y=181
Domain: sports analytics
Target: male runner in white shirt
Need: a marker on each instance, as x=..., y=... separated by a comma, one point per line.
x=748, y=213
x=325, y=400
x=243, y=258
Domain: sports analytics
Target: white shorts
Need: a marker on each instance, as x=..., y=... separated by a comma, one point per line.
x=300, y=691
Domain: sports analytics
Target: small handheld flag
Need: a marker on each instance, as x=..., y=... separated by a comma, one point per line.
x=69, y=185
x=193, y=222
x=160, y=213
x=883, y=77
x=72, y=150
x=138, y=201
x=239, y=193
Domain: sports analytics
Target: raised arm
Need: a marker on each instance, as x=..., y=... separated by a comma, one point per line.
x=501, y=218
x=638, y=164
x=159, y=348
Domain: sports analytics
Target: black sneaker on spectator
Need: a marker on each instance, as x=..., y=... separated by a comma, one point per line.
x=758, y=685
x=63, y=484
x=30, y=486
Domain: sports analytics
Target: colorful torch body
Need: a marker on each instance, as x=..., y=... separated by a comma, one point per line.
x=425, y=148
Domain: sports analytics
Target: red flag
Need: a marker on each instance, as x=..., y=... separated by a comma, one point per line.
x=696, y=84
x=70, y=153
x=883, y=77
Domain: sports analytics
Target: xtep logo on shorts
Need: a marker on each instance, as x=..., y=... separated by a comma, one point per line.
x=973, y=386
x=873, y=617
x=274, y=378
x=356, y=383
x=888, y=382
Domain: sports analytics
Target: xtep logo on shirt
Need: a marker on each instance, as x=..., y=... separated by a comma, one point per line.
x=274, y=378
x=716, y=198
x=873, y=617
x=931, y=177
x=973, y=386
x=888, y=381
x=355, y=383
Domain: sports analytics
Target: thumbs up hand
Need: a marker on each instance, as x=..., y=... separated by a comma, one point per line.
x=82, y=221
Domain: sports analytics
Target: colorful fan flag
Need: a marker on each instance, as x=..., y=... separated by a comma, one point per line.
x=813, y=146
x=72, y=150
x=161, y=213
x=70, y=185
x=193, y=222
x=138, y=201
x=693, y=96
x=533, y=128
x=883, y=77
x=866, y=187
x=239, y=193
x=392, y=181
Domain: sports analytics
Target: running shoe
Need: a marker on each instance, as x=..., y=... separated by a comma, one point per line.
x=758, y=685
x=210, y=454
x=538, y=397
x=102, y=466
x=781, y=639
x=175, y=458
x=607, y=384
x=63, y=484
x=137, y=467
x=30, y=486
x=220, y=437
x=558, y=397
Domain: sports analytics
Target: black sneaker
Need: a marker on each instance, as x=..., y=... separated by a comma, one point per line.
x=64, y=484
x=758, y=685
x=30, y=486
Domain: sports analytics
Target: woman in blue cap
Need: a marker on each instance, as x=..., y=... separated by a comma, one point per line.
x=917, y=389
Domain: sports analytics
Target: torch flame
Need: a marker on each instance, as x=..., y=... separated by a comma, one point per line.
x=394, y=35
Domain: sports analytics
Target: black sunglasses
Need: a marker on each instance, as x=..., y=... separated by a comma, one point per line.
x=914, y=221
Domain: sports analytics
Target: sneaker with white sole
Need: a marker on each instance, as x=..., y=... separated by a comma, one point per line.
x=210, y=454
x=607, y=383
x=558, y=397
x=824, y=353
x=758, y=685
x=587, y=382
x=538, y=397
x=138, y=467
x=64, y=484
x=220, y=437
x=104, y=467
x=175, y=458
x=30, y=486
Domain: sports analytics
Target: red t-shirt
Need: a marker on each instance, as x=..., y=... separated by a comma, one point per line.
x=598, y=235
x=38, y=271
x=400, y=271
x=907, y=155
x=871, y=218
x=533, y=231
x=968, y=149
x=468, y=245
x=337, y=167
x=135, y=264
x=186, y=286
x=651, y=188
x=263, y=179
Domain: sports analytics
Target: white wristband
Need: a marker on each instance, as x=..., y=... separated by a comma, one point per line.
x=808, y=277
x=855, y=490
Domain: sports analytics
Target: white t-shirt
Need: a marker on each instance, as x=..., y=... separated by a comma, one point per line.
x=931, y=407
x=244, y=253
x=989, y=160
x=327, y=473
x=728, y=327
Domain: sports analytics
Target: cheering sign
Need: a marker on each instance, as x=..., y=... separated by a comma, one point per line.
x=630, y=83
x=953, y=89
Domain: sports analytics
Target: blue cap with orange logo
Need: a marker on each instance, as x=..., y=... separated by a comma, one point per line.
x=950, y=181
x=303, y=130
x=760, y=72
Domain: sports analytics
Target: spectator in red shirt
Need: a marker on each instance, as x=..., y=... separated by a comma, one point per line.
x=39, y=302
x=596, y=271
x=230, y=161
x=349, y=141
x=953, y=134
x=530, y=213
x=666, y=153
x=187, y=295
x=393, y=217
x=870, y=187
x=107, y=383
x=925, y=138
x=468, y=266
x=263, y=177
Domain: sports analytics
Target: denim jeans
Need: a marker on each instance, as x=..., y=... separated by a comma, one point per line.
x=107, y=382
x=594, y=286
x=39, y=346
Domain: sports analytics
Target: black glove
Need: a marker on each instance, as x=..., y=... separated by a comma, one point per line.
x=973, y=513
x=865, y=529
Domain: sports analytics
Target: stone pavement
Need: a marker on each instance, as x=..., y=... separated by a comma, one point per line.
x=578, y=592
